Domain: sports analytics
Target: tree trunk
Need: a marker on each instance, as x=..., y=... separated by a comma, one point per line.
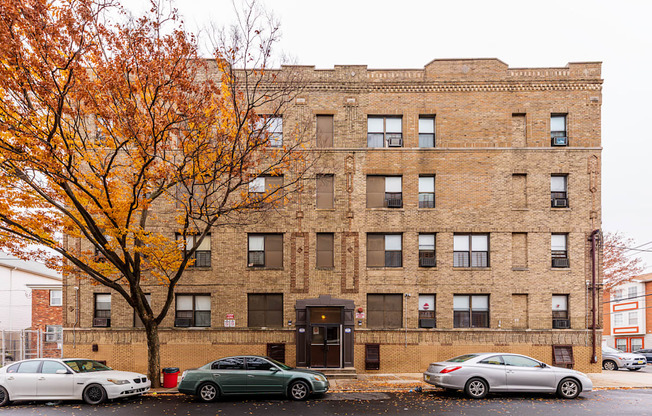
x=153, y=354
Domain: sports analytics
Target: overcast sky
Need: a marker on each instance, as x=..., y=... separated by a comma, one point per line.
x=411, y=33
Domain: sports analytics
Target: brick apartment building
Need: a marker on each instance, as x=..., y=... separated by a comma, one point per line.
x=627, y=317
x=450, y=211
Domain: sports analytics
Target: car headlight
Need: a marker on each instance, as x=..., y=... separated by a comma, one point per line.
x=319, y=378
x=116, y=381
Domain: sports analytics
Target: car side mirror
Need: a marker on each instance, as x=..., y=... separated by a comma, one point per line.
x=274, y=369
x=543, y=365
x=62, y=372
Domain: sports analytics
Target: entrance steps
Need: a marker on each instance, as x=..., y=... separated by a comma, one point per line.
x=346, y=373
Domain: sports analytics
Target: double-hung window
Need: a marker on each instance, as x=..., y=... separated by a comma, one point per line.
x=265, y=250
x=632, y=292
x=471, y=250
x=325, y=191
x=559, y=191
x=427, y=311
x=102, y=310
x=264, y=186
x=384, y=131
x=56, y=298
x=325, y=250
x=384, y=250
x=201, y=256
x=558, y=134
x=384, y=191
x=275, y=131
x=426, y=131
x=53, y=333
x=559, y=250
x=426, y=191
x=193, y=310
x=265, y=310
x=471, y=311
x=560, y=312
x=427, y=250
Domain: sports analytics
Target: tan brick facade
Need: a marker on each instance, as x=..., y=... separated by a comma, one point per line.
x=492, y=164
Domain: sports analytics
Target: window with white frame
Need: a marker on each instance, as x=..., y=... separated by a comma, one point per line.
x=384, y=191
x=53, y=333
x=633, y=318
x=201, y=256
x=618, y=319
x=559, y=250
x=193, y=311
x=102, y=310
x=426, y=191
x=471, y=250
x=384, y=131
x=560, y=312
x=426, y=131
x=632, y=292
x=56, y=297
x=471, y=311
x=427, y=256
x=265, y=250
x=384, y=250
x=617, y=294
x=275, y=130
x=558, y=133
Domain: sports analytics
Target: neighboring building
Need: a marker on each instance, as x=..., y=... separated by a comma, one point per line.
x=627, y=319
x=450, y=212
x=47, y=318
x=17, y=280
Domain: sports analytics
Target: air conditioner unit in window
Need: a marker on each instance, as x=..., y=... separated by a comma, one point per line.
x=182, y=322
x=561, y=323
x=560, y=202
x=427, y=323
x=101, y=322
x=560, y=262
x=560, y=141
x=395, y=142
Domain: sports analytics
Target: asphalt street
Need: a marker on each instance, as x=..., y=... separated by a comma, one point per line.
x=604, y=402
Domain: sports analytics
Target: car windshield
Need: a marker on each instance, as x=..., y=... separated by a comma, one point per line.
x=462, y=358
x=280, y=364
x=611, y=350
x=86, y=366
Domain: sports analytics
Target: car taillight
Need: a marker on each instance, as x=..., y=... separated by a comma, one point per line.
x=449, y=370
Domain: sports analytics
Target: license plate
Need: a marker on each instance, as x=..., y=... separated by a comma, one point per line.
x=641, y=362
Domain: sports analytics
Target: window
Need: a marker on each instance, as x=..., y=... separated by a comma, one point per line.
x=519, y=361
x=201, y=256
x=559, y=191
x=324, y=131
x=325, y=194
x=495, y=360
x=102, y=310
x=558, y=136
x=618, y=319
x=426, y=131
x=560, y=312
x=29, y=367
x=275, y=130
x=617, y=294
x=265, y=310
x=384, y=192
x=471, y=311
x=632, y=292
x=265, y=250
x=471, y=250
x=384, y=311
x=384, y=131
x=232, y=363
x=427, y=311
x=51, y=367
x=559, y=250
x=138, y=323
x=633, y=318
x=621, y=344
x=193, y=310
x=53, y=333
x=384, y=250
x=259, y=364
x=427, y=250
x=325, y=250
x=56, y=298
x=426, y=191
x=264, y=186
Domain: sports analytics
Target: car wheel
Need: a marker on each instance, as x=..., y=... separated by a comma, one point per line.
x=208, y=392
x=609, y=365
x=299, y=390
x=633, y=369
x=94, y=394
x=4, y=397
x=476, y=388
x=568, y=389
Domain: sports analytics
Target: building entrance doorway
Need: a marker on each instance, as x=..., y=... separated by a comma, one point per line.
x=325, y=337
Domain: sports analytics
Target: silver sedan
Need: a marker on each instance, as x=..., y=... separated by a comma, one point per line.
x=479, y=374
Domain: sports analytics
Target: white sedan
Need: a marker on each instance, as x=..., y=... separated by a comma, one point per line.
x=68, y=379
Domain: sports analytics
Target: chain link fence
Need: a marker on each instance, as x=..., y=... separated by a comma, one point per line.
x=27, y=343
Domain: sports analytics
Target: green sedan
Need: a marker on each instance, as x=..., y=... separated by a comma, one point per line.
x=251, y=374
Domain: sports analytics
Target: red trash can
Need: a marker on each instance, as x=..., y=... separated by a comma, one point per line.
x=170, y=377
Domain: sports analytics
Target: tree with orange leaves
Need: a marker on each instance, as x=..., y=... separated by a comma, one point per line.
x=110, y=125
x=618, y=262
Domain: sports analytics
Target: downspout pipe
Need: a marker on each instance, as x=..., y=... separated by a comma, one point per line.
x=594, y=356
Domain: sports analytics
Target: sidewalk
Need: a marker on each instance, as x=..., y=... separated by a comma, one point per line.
x=621, y=379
